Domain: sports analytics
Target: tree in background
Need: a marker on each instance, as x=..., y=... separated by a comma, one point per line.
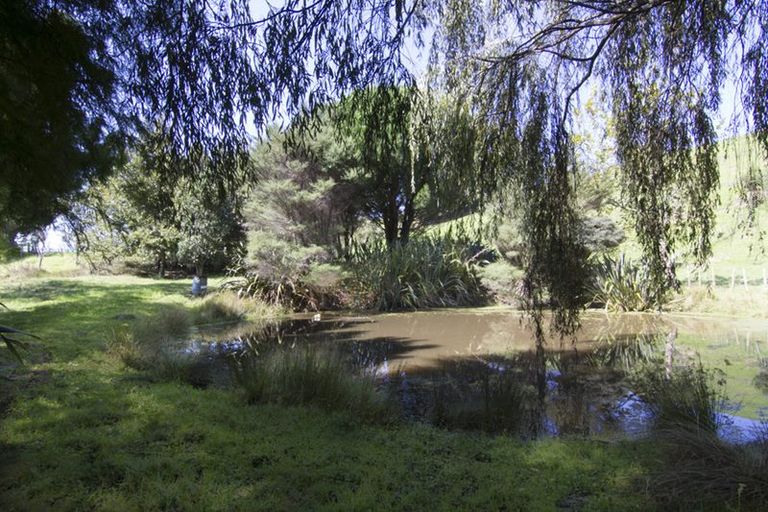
x=140, y=217
x=415, y=157
x=208, y=225
x=303, y=208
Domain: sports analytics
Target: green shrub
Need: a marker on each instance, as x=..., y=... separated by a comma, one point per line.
x=622, y=285
x=502, y=280
x=309, y=376
x=430, y=271
x=313, y=287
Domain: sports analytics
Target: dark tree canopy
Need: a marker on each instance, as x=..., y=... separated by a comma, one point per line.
x=54, y=107
x=76, y=74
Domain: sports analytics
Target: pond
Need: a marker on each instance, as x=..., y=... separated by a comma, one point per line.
x=480, y=368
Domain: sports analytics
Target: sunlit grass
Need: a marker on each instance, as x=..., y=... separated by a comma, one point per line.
x=82, y=431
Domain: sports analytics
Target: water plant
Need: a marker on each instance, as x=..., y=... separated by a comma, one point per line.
x=429, y=271
x=495, y=399
x=619, y=284
x=308, y=375
x=147, y=345
x=227, y=306
x=682, y=397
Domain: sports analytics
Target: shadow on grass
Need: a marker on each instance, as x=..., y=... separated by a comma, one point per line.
x=97, y=443
x=89, y=438
x=73, y=316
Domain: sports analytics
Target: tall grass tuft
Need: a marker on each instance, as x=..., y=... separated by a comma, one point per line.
x=497, y=401
x=309, y=376
x=430, y=271
x=700, y=470
x=688, y=397
x=703, y=470
x=147, y=345
x=622, y=285
x=167, y=323
x=228, y=306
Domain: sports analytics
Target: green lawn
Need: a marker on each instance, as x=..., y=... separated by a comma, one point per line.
x=81, y=431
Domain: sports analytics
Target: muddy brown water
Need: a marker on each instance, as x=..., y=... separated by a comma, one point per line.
x=480, y=368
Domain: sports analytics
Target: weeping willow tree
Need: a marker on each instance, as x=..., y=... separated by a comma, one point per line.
x=414, y=154
x=662, y=63
x=204, y=71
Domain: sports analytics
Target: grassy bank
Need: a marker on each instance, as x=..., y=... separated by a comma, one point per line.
x=81, y=430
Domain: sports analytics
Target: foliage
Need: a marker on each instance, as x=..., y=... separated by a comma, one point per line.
x=703, y=470
x=129, y=216
x=8, y=336
x=139, y=217
x=306, y=192
x=415, y=156
x=597, y=235
x=600, y=234
x=164, y=325
x=431, y=271
x=682, y=398
x=524, y=86
x=201, y=70
x=92, y=72
x=302, y=212
x=498, y=402
x=8, y=250
x=208, y=225
x=623, y=285
x=55, y=104
x=699, y=466
x=227, y=306
x=148, y=344
x=309, y=376
x=502, y=279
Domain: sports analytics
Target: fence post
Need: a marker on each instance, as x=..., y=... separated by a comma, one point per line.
x=733, y=278
x=744, y=278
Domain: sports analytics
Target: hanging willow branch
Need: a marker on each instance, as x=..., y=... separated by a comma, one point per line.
x=662, y=64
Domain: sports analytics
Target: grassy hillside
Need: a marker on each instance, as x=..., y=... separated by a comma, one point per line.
x=739, y=246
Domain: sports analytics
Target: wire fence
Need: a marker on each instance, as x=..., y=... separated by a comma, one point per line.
x=737, y=278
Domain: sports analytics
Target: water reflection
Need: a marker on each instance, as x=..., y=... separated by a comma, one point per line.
x=481, y=370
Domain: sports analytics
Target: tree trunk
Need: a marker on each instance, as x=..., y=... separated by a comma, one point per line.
x=390, y=218
x=408, y=215
x=669, y=352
